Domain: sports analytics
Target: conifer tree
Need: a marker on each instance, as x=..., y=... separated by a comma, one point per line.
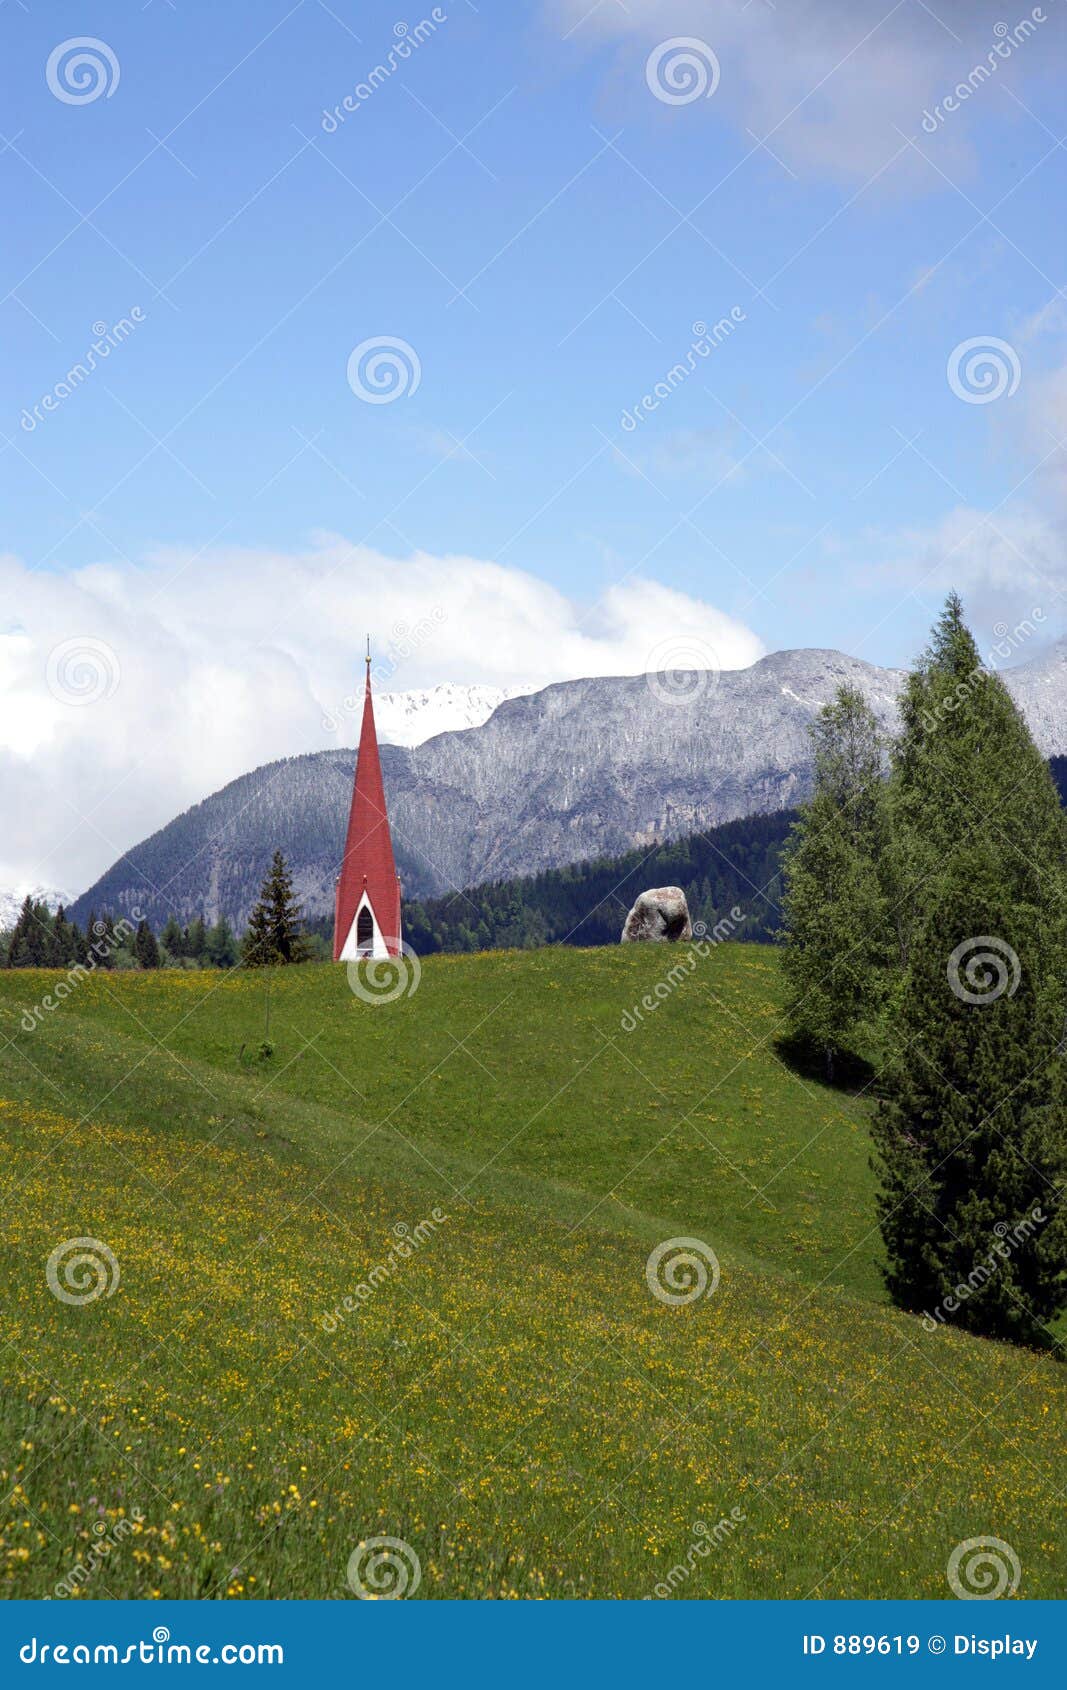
x=971, y=1136
x=963, y=767
x=171, y=937
x=275, y=929
x=63, y=939
x=146, y=947
x=221, y=945
x=31, y=938
x=19, y=943
x=103, y=941
x=837, y=953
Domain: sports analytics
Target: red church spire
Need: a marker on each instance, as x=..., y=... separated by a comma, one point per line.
x=367, y=900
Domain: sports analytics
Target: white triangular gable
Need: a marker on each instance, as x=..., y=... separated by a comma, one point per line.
x=350, y=951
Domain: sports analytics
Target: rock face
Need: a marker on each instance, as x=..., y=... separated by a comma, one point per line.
x=658, y=915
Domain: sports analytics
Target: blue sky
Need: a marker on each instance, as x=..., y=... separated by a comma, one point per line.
x=515, y=203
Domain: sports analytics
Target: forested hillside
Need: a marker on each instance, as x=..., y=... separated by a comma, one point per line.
x=733, y=867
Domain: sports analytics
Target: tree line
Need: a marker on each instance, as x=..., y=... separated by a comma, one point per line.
x=732, y=867
x=43, y=939
x=926, y=932
x=275, y=934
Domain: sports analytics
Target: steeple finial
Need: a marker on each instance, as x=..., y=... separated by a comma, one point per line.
x=368, y=651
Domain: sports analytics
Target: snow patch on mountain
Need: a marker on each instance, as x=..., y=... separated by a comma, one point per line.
x=579, y=769
x=12, y=899
x=410, y=718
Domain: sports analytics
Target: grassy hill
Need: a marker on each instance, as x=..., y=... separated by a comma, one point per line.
x=508, y=1397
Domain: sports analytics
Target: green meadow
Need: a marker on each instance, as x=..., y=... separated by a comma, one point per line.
x=379, y=1269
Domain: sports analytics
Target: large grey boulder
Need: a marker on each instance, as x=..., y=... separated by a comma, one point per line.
x=659, y=914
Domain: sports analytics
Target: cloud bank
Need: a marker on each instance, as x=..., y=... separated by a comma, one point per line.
x=130, y=694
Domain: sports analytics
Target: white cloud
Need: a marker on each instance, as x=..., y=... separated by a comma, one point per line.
x=831, y=83
x=1010, y=560
x=129, y=695
x=1005, y=565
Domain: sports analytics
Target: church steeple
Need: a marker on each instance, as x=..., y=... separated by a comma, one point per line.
x=367, y=899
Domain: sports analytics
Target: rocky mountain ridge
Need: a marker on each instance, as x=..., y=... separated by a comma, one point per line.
x=578, y=770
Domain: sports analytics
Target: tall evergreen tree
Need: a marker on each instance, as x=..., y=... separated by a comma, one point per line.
x=971, y=1137
x=19, y=934
x=31, y=939
x=103, y=941
x=275, y=928
x=171, y=937
x=63, y=939
x=964, y=767
x=146, y=947
x=836, y=956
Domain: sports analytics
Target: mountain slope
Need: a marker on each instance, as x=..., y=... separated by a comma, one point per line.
x=581, y=769
x=1039, y=688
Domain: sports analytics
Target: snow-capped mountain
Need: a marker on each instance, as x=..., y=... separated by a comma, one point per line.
x=11, y=901
x=409, y=718
x=576, y=770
